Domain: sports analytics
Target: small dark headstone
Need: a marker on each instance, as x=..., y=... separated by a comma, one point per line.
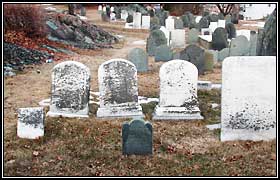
x=139, y=58
x=203, y=22
x=219, y=39
x=163, y=53
x=214, y=17
x=137, y=138
x=155, y=39
x=129, y=18
x=230, y=28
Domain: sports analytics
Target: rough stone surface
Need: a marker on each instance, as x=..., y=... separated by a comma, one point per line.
x=178, y=91
x=178, y=38
x=239, y=46
x=231, y=31
x=163, y=53
x=117, y=79
x=137, y=138
x=249, y=98
x=219, y=39
x=139, y=58
x=70, y=90
x=193, y=36
x=30, y=122
x=155, y=39
x=195, y=55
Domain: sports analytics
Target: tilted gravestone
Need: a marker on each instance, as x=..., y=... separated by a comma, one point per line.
x=219, y=39
x=193, y=36
x=239, y=46
x=195, y=55
x=249, y=98
x=178, y=92
x=139, y=58
x=155, y=39
x=30, y=122
x=231, y=31
x=70, y=90
x=117, y=79
x=154, y=23
x=163, y=53
x=137, y=138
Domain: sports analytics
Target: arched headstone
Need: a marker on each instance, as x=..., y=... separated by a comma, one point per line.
x=139, y=58
x=230, y=28
x=163, y=53
x=239, y=46
x=155, y=39
x=219, y=39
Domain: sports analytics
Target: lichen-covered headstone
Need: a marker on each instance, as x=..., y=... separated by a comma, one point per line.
x=70, y=90
x=195, y=55
x=230, y=28
x=179, y=23
x=178, y=38
x=193, y=36
x=178, y=91
x=139, y=58
x=155, y=39
x=30, y=122
x=248, y=98
x=117, y=79
x=219, y=39
x=137, y=138
x=239, y=46
x=163, y=53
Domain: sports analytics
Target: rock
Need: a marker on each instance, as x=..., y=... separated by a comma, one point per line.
x=163, y=53
x=219, y=39
x=155, y=39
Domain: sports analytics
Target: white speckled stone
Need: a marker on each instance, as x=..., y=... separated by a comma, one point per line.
x=178, y=38
x=118, y=89
x=248, y=98
x=178, y=91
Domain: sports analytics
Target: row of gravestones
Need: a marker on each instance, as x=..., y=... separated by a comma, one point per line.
x=246, y=114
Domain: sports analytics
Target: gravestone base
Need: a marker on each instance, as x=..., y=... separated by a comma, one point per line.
x=176, y=113
x=79, y=114
x=240, y=134
x=123, y=111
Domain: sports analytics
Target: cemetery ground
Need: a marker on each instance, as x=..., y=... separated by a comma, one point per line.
x=93, y=147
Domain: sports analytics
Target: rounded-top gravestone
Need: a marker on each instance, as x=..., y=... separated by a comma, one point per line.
x=239, y=46
x=204, y=22
x=155, y=39
x=213, y=17
x=129, y=18
x=163, y=53
x=219, y=39
x=139, y=58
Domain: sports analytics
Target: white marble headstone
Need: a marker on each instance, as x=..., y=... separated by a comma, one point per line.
x=118, y=89
x=169, y=24
x=70, y=90
x=178, y=38
x=104, y=8
x=124, y=14
x=137, y=20
x=146, y=22
x=30, y=122
x=222, y=23
x=213, y=26
x=249, y=98
x=178, y=91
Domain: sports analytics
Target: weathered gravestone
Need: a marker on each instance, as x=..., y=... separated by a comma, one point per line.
x=137, y=138
x=155, y=39
x=146, y=22
x=129, y=18
x=178, y=38
x=154, y=23
x=239, y=46
x=70, y=90
x=193, y=36
x=30, y=122
x=213, y=17
x=178, y=91
x=117, y=79
x=231, y=31
x=248, y=98
x=137, y=20
x=253, y=43
x=195, y=55
x=203, y=23
x=219, y=39
x=163, y=53
x=139, y=58
x=179, y=23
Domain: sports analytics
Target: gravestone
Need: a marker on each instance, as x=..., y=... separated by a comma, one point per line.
x=228, y=19
x=205, y=13
x=104, y=9
x=117, y=79
x=146, y=22
x=219, y=39
x=154, y=23
x=70, y=90
x=155, y=39
x=163, y=53
x=139, y=58
x=195, y=55
x=124, y=14
x=231, y=31
x=239, y=46
x=129, y=18
x=234, y=18
x=137, y=20
x=249, y=98
x=209, y=61
x=197, y=19
x=179, y=24
x=221, y=16
x=178, y=38
x=193, y=36
x=203, y=23
x=99, y=9
x=104, y=17
x=178, y=92
x=213, y=26
x=169, y=24
x=214, y=17
x=137, y=137
x=162, y=15
x=244, y=32
x=166, y=33
x=30, y=122
x=223, y=54
x=253, y=43
x=222, y=23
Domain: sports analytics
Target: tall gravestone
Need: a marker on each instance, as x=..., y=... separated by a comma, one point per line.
x=219, y=39
x=203, y=23
x=117, y=79
x=231, y=31
x=178, y=92
x=248, y=98
x=139, y=58
x=163, y=53
x=137, y=138
x=178, y=38
x=195, y=55
x=30, y=122
x=155, y=39
x=70, y=90
x=239, y=46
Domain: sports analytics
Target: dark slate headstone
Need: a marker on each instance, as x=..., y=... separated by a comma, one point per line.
x=162, y=15
x=267, y=38
x=178, y=23
x=205, y=13
x=234, y=18
x=139, y=58
x=213, y=17
x=219, y=39
x=230, y=28
x=137, y=138
x=129, y=18
x=188, y=20
x=195, y=55
x=154, y=23
x=155, y=39
x=221, y=16
x=163, y=53
x=204, y=22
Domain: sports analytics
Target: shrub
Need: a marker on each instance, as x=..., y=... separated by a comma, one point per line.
x=25, y=17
